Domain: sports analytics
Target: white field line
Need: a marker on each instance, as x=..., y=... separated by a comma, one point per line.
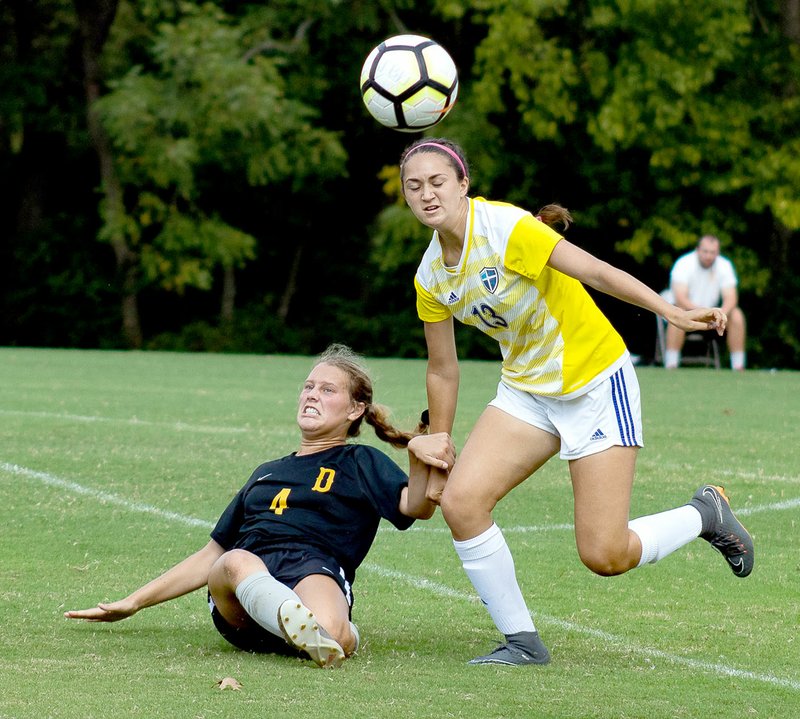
x=676, y=468
x=109, y=498
x=182, y=426
x=133, y=421
x=101, y=496
x=671, y=467
x=426, y=584
x=742, y=512
x=712, y=667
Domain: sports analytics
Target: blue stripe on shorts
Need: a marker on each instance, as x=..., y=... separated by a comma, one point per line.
x=622, y=407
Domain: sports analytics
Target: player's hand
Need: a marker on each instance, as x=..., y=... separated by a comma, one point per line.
x=436, y=450
x=104, y=612
x=700, y=320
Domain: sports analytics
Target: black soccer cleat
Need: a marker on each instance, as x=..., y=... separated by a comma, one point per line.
x=520, y=648
x=722, y=530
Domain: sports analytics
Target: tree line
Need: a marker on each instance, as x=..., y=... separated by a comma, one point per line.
x=203, y=176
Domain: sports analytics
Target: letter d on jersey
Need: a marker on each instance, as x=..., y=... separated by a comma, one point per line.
x=324, y=480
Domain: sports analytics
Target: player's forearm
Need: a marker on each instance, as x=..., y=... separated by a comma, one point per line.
x=186, y=576
x=442, y=388
x=624, y=286
x=415, y=503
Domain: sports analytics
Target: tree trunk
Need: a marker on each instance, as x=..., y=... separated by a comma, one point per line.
x=228, y=295
x=95, y=18
x=291, y=284
x=790, y=19
x=35, y=157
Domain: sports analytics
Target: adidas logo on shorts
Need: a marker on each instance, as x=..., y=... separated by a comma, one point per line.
x=598, y=434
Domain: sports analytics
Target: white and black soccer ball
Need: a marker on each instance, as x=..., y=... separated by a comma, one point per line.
x=409, y=83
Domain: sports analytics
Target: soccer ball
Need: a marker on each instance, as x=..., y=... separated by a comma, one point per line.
x=409, y=83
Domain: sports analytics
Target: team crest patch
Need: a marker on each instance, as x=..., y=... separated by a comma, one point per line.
x=489, y=278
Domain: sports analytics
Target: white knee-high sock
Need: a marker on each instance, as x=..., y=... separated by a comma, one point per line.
x=261, y=595
x=663, y=533
x=489, y=565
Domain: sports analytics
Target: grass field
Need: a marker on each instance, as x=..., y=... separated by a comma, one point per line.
x=113, y=466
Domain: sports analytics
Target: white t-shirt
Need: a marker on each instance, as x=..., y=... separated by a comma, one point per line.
x=705, y=284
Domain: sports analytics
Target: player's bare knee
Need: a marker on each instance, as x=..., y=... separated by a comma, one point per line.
x=463, y=509
x=459, y=512
x=604, y=563
x=235, y=558
x=449, y=504
x=236, y=564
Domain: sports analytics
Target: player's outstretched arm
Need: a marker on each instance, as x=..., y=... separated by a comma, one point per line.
x=577, y=263
x=184, y=577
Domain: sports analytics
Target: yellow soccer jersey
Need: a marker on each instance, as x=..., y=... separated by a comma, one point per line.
x=553, y=338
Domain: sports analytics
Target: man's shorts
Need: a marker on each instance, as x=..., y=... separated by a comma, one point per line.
x=288, y=566
x=606, y=416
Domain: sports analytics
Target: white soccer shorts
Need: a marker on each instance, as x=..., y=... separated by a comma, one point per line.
x=606, y=416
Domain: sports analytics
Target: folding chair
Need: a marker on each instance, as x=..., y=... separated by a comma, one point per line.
x=708, y=342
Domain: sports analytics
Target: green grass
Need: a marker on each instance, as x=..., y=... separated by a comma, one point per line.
x=114, y=465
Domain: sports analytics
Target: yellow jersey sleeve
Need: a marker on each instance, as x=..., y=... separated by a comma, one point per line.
x=429, y=309
x=529, y=246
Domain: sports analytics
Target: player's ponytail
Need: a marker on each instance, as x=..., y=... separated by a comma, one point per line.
x=377, y=416
x=554, y=215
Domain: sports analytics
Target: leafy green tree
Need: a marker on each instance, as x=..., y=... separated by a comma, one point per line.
x=53, y=288
x=211, y=110
x=653, y=121
x=234, y=154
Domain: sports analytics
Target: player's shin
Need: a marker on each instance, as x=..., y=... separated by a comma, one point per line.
x=489, y=565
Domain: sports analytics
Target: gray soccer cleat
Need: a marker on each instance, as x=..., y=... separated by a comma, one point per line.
x=301, y=630
x=722, y=530
x=520, y=648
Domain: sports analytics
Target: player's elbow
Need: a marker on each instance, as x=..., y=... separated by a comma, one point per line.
x=423, y=510
x=427, y=512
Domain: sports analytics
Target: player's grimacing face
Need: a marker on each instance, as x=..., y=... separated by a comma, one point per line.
x=432, y=189
x=325, y=402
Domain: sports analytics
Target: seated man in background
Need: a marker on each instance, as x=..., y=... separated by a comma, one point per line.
x=704, y=278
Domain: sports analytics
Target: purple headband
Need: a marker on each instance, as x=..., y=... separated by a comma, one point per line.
x=452, y=154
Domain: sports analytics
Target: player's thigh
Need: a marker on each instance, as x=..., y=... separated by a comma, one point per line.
x=324, y=597
x=601, y=485
x=500, y=453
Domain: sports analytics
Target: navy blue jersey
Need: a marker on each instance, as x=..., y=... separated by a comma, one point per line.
x=331, y=500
